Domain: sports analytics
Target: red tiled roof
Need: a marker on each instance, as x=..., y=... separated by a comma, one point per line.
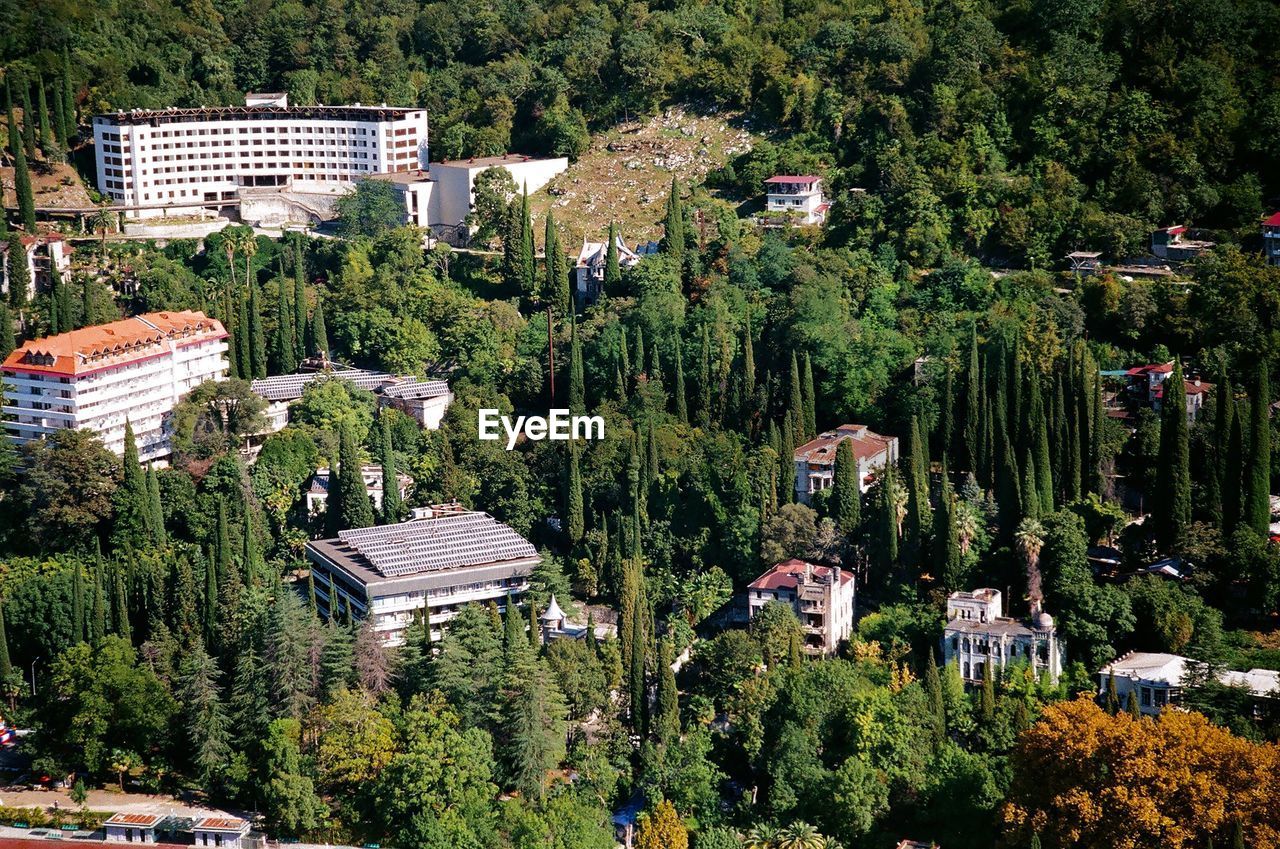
x=1273, y=221
x=1191, y=388
x=783, y=576
x=793, y=178
x=822, y=450
x=221, y=824
x=88, y=349
x=142, y=820
x=1156, y=368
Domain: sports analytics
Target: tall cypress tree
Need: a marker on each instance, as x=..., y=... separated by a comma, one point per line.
x=257, y=341
x=60, y=123
x=1040, y=446
x=1257, y=504
x=846, y=495
x=1173, y=475
x=637, y=357
x=22, y=188
x=681, y=400
x=575, y=525
x=57, y=293
x=391, y=504
x=970, y=421
x=77, y=603
x=19, y=273
x=612, y=271
x=810, y=401
x=46, y=125
x=14, y=136
x=577, y=389
x=28, y=121
x=155, y=508
x=748, y=376
x=666, y=719
x=1233, y=472
x=120, y=605
x=319, y=336
x=887, y=521
x=528, y=268
x=69, y=97
x=795, y=404
x=786, y=463
x=354, y=508
x=209, y=619
x=557, y=282
x=299, y=300
x=918, y=518
x=98, y=608
x=7, y=333
x=946, y=415
x=673, y=241
x=285, y=346
x=250, y=556
x=936, y=703
x=1223, y=409
x=131, y=500
x=946, y=536
x=244, y=342
x=6, y=665
x=704, y=380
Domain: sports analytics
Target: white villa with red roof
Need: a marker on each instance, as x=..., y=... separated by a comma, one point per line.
x=816, y=459
x=821, y=596
x=1271, y=238
x=799, y=196
x=1147, y=384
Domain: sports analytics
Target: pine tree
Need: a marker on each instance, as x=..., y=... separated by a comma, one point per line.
x=300, y=328
x=46, y=125
x=666, y=720
x=612, y=271
x=354, y=507
x=810, y=402
x=285, y=345
x=574, y=521
x=557, y=282
x=846, y=495
x=577, y=389
x=155, y=508
x=319, y=336
x=1173, y=474
x=257, y=341
x=1257, y=501
x=19, y=273
x=205, y=722
x=674, y=239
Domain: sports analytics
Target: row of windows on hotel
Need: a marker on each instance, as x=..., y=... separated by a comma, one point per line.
x=1013, y=649
x=242, y=130
x=343, y=145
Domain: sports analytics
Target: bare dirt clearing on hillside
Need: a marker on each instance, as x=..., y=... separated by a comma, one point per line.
x=626, y=174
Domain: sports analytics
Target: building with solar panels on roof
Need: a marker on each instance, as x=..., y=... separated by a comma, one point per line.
x=437, y=562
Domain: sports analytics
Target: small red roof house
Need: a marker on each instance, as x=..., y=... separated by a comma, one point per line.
x=1271, y=238
x=1146, y=386
x=132, y=828
x=821, y=596
x=221, y=831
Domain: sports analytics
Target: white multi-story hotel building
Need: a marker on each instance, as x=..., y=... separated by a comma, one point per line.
x=98, y=377
x=158, y=161
x=440, y=561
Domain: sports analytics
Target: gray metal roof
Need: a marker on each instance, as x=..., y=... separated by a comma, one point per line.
x=443, y=542
x=289, y=387
x=412, y=389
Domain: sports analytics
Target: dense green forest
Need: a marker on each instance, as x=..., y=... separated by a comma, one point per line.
x=1015, y=129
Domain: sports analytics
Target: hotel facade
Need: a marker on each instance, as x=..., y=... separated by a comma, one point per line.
x=157, y=162
x=97, y=378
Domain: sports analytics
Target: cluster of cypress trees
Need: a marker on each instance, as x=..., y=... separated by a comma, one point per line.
x=296, y=334
x=51, y=133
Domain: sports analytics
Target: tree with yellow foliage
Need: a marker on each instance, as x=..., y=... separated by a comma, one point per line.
x=662, y=829
x=1089, y=780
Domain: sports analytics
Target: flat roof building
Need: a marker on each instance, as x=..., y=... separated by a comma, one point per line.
x=157, y=162
x=447, y=557
x=1155, y=679
x=131, y=828
x=220, y=831
x=97, y=378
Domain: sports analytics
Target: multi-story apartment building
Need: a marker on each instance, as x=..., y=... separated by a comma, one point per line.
x=158, y=161
x=977, y=634
x=444, y=558
x=98, y=377
x=816, y=459
x=821, y=596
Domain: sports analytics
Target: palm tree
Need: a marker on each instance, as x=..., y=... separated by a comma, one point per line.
x=101, y=223
x=1030, y=540
x=800, y=835
x=229, y=244
x=966, y=525
x=248, y=247
x=761, y=836
x=830, y=843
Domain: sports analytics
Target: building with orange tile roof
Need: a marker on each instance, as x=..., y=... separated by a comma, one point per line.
x=97, y=378
x=821, y=596
x=816, y=459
